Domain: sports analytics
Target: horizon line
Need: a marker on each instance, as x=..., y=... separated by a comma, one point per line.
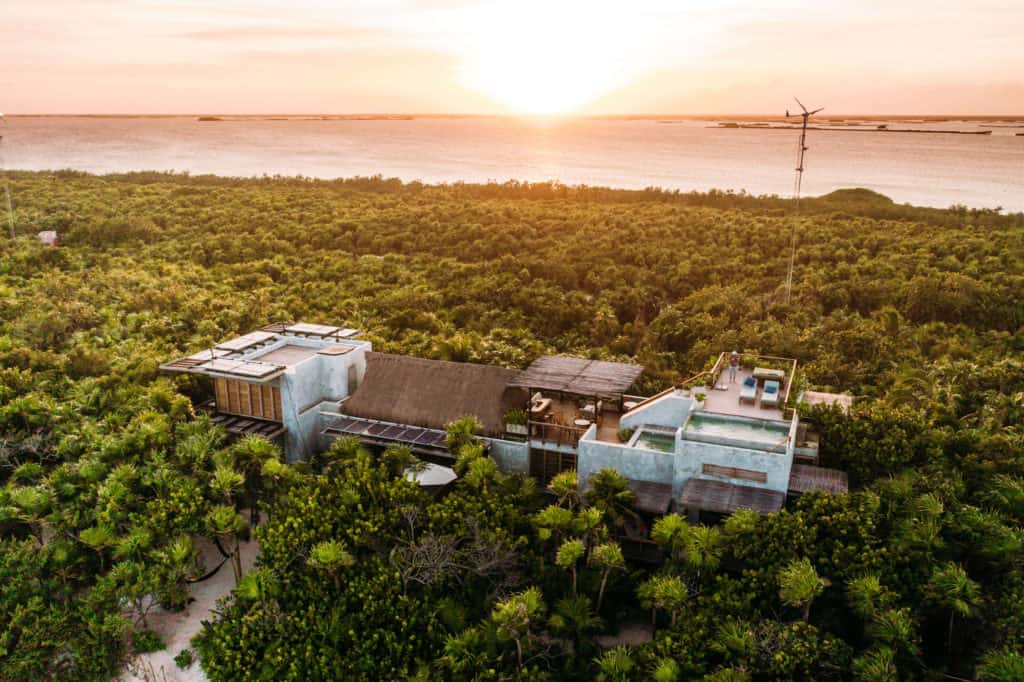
x=367, y=115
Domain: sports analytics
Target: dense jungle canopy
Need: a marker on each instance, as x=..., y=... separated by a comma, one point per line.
x=109, y=479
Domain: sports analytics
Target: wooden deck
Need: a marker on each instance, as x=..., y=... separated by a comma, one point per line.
x=724, y=398
x=559, y=424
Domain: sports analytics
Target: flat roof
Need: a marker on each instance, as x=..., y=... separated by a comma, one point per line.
x=289, y=354
x=578, y=376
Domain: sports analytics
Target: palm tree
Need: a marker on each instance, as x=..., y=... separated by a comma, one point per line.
x=569, y=554
x=616, y=664
x=610, y=493
x=226, y=483
x=951, y=588
x=865, y=595
x=576, y=618
x=608, y=557
x=876, y=665
x=31, y=504
x=552, y=521
x=331, y=556
x=515, y=616
x=480, y=473
x=181, y=561
x=566, y=487
x=258, y=585
x=799, y=584
x=100, y=539
x=225, y=523
x=664, y=593
x=462, y=432
x=665, y=670
x=252, y=453
x=1002, y=665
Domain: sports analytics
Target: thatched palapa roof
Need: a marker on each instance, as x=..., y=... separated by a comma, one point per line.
x=431, y=393
x=578, y=376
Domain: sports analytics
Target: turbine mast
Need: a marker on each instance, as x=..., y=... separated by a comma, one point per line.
x=797, y=186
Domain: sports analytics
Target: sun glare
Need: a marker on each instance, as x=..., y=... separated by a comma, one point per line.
x=542, y=58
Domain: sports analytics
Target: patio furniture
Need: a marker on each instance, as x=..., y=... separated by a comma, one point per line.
x=748, y=391
x=539, y=407
x=765, y=373
x=770, y=395
x=590, y=410
x=582, y=423
x=629, y=405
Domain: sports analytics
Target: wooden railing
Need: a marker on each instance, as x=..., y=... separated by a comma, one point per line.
x=556, y=433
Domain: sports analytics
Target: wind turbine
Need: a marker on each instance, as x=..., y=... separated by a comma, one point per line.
x=797, y=185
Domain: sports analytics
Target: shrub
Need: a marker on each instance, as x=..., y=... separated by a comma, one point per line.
x=146, y=641
x=625, y=434
x=184, y=659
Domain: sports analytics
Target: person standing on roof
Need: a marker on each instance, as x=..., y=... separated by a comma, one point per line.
x=734, y=364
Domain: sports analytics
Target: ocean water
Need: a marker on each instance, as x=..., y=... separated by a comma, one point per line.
x=929, y=169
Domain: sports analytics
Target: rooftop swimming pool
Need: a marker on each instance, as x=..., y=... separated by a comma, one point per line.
x=651, y=439
x=755, y=434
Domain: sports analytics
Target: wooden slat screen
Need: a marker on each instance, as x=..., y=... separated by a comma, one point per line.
x=546, y=464
x=250, y=400
x=733, y=472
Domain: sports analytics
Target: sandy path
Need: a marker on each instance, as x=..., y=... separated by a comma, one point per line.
x=176, y=629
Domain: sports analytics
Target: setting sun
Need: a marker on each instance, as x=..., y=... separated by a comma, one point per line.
x=540, y=59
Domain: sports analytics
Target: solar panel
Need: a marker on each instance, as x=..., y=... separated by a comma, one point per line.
x=244, y=368
x=347, y=333
x=314, y=329
x=376, y=429
x=209, y=354
x=392, y=432
x=396, y=433
x=426, y=439
x=247, y=341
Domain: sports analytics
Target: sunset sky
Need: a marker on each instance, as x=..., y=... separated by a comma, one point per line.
x=510, y=56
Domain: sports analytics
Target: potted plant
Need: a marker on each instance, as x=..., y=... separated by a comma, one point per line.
x=698, y=399
x=515, y=422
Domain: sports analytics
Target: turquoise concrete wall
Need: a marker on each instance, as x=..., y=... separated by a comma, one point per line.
x=669, y=410
x=510, y=456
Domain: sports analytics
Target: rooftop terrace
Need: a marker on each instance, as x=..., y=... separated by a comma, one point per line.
x=262, y=355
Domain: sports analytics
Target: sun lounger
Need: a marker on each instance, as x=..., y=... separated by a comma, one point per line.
x=748, y=391
x=770, y=395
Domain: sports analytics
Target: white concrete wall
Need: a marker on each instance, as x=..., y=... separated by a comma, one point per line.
x=669, y=410
x=305, y=388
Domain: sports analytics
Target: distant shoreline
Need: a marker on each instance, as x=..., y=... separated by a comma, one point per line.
x=831, y=119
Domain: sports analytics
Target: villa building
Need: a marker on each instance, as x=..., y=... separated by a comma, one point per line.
x=716, y=444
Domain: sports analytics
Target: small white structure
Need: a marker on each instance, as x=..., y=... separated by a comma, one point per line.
x=49, y=238
x=275, y=381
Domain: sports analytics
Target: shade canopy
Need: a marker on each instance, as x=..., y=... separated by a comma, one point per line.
x=578, y=376
x=806, y=478
x=725, y=498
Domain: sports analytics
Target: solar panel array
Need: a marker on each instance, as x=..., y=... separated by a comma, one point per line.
x=247, y=341
x=397, y=433
x=245, y=368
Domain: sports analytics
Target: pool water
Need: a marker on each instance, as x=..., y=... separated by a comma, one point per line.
x=758, y=433
x=652, y=440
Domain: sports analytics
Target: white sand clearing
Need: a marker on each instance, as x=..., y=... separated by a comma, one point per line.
x=176, y=629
